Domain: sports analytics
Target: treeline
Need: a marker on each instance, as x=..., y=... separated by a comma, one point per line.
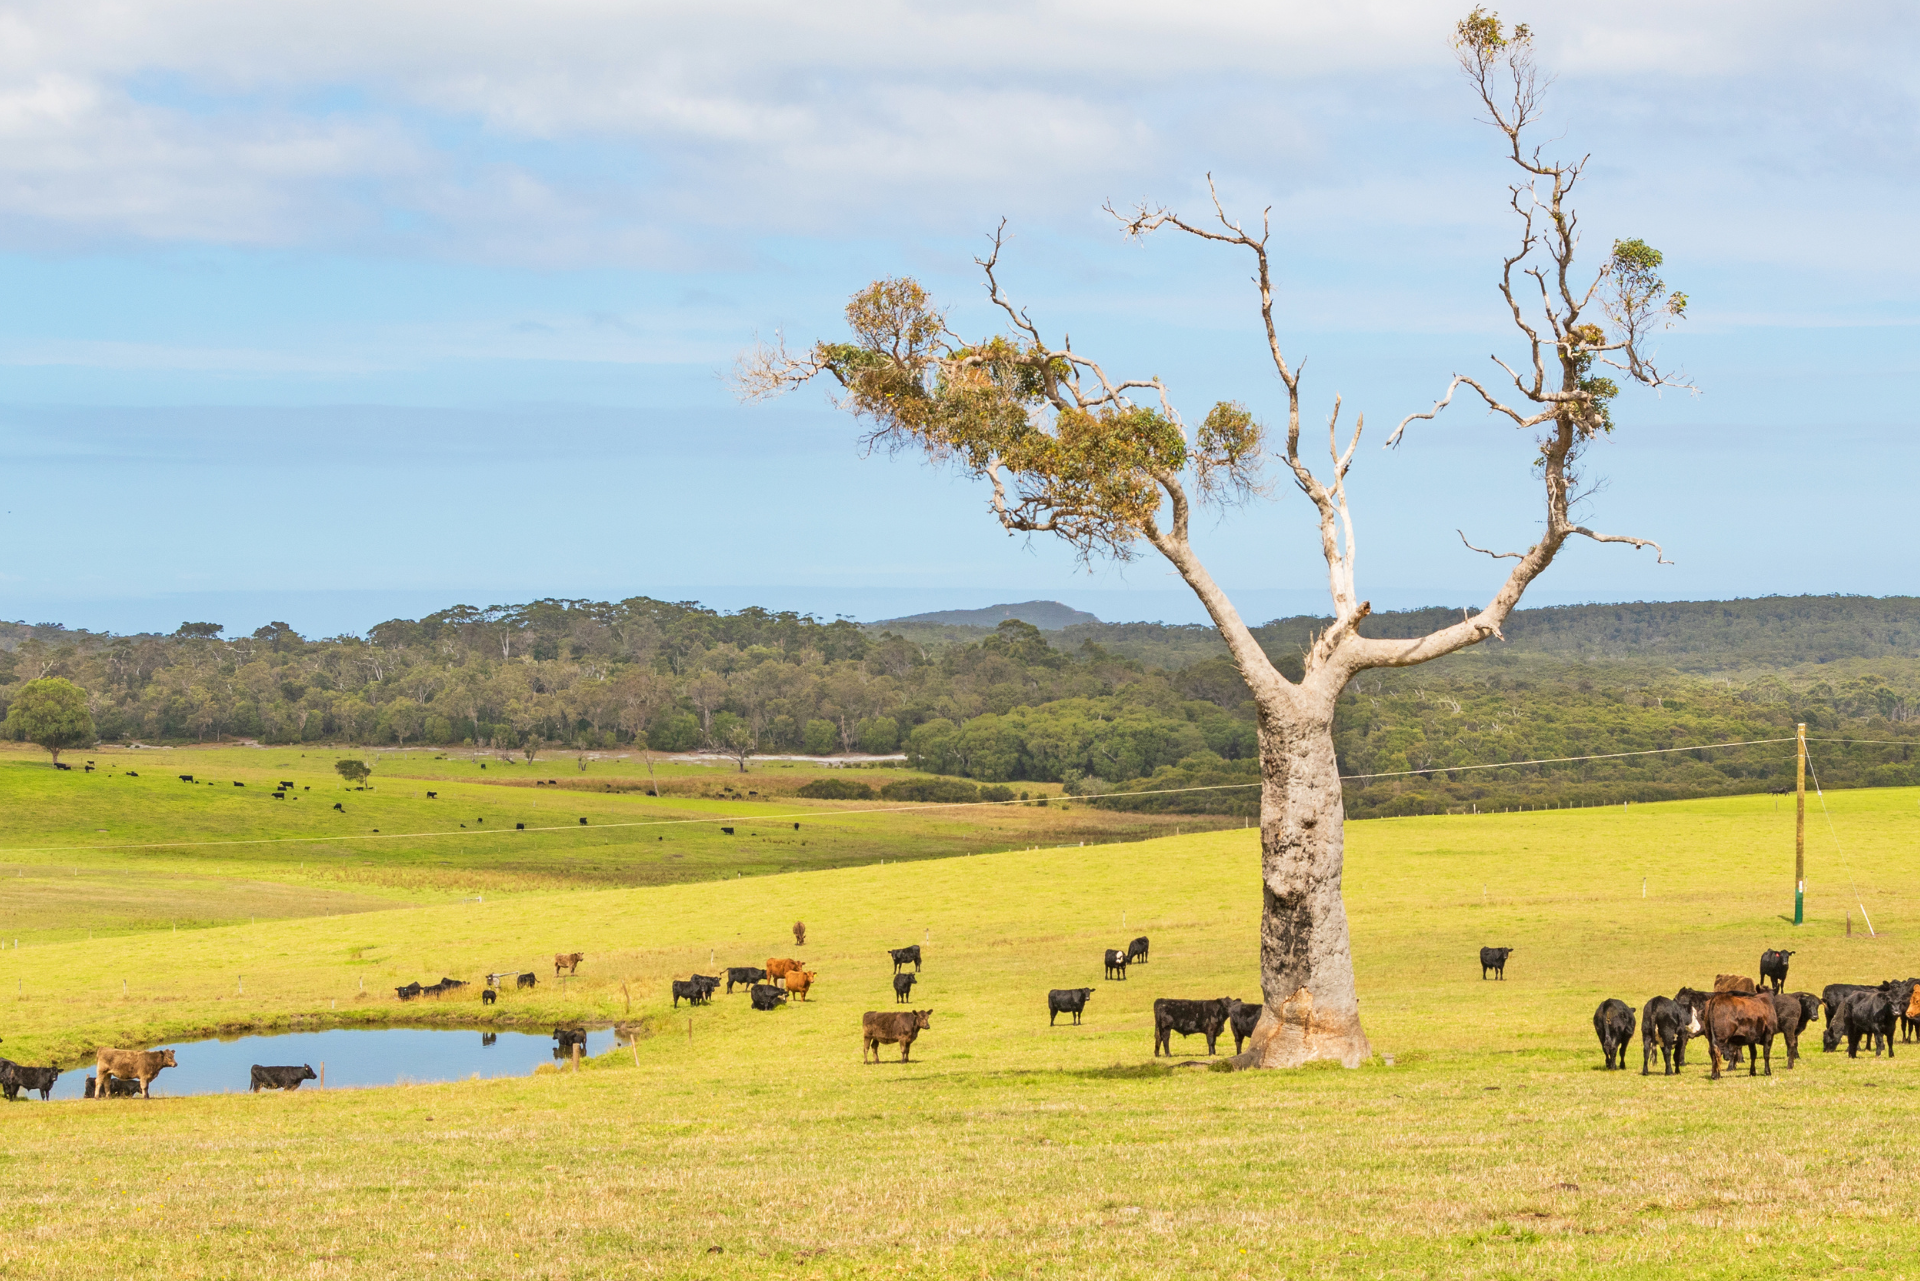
x=1019, y=705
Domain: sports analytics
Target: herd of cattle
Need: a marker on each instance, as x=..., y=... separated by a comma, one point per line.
x=120, y=1074
x=1740, y=1014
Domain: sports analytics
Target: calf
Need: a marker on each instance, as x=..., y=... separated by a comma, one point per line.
x=798, y=982
x=1116, y=964
x=778, y=968
x=1495, y=959
x=1242, y=1018
x=280, y=1078
x=488, y=996
x=903, y=987
x=132, y=1065
x=1137, y=950
x=877, y=1029
x=901, y=955
x=1067, y=1000
x=1667, y=1023
x=1188, y=1018
x=744, y=975
x=1613, y=1024
x=1792, y=1014
x=568, y=961
x=15, y=1077
x=1866, y=1014
x=1773, y=969
x=115, y=1089
x=693, y=992
x=1738, y=983
x=527, y=979
x=1733, y=1020
x=765, y=996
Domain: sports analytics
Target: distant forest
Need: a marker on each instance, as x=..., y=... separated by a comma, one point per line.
x=1111, y=710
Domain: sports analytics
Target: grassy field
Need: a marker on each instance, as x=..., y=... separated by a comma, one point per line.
x=734, y=1144
x=210, y=852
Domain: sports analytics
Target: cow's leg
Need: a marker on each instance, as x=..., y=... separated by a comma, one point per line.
x=1713, y=1052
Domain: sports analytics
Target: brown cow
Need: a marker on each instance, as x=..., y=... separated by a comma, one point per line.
x=798, y=981
x=1734, y=983
x=1911, y=1021
x=893, y=1029
x=130, y=1065
x=799, y=933
x=1732, y=1020
x=778, y=969
x=568, y=961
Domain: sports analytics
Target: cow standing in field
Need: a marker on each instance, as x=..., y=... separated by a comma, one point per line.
x=1613, y=1024
x=1137, y=951
x=1773, y=969
x=902, y=955
x=1243, y=1018
x=568, y=961
x=1834, y=995
x=1866, y=1014
x=1910, y=1021
x=688, y=989
x=1793, y=1010
x=15, y=1077
x=1067, y=1000
x=777, y=968
x=1739, y=984
x=1116, y=964
x=1667, y=1023
x=527, y=979
x=1495, y=959
x=799, y=982
x=744, y=975
x=1188, y=1018
x=130, y=1065
x=279, y=1078
x=903, y=987
x=878, y=1029
x=708, y=985
x=1735, y=1019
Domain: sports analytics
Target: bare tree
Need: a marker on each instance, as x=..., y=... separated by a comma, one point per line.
x=1107, y=463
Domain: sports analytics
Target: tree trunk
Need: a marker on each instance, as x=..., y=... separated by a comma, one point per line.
x=1306, y=962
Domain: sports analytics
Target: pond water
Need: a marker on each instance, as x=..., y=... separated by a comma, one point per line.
x=354, y=1057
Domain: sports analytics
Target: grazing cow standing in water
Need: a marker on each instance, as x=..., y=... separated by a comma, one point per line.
x=280, y=1078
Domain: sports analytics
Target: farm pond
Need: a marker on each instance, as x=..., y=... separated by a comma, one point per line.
x=354, y=1057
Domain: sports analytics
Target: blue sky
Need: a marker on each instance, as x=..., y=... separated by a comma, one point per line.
x=335, y=312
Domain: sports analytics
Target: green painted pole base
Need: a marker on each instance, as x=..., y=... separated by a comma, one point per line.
x=1799, y=906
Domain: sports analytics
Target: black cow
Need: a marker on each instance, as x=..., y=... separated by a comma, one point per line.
x=901, y=955
x=1666, y=1023
x=343, y=809
x=687, y=988
x=765, y=996
x=1900, y=992
x=1773, y=969
x=1137, y=950
x=565, y=1037
x=903, y=987
x=1242, y=1018
x=1833, y=994
x=117, y=1088
x=1116, y=964
x=1793, y=1014
x=489, y=996
x=286, y=783
x=1495, y=959
x=280, y=1078
x=1696, y=1001
x=1188, y=1018
x=1067, y=1000
x=708, y=984
x=186, y=778
x=433, y=796
x=15, y=1077
x=1866, y=1014
x=1613, y=1024
x=410, y=991
x=745, y=976
x=527, y=979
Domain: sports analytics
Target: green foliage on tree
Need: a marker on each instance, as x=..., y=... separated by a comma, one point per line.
x=355, y=772
x=51, y=712
x=836, y=789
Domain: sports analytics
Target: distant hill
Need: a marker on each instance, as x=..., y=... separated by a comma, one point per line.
x=1047, y=615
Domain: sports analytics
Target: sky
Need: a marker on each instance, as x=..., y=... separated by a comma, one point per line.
x=335, y=312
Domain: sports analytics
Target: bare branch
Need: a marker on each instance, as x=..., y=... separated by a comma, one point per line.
x=1659, y=553
x=1484, y=552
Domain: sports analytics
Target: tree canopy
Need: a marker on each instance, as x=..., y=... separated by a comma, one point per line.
x=52, y=712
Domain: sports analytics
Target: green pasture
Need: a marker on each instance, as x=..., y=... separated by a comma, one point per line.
x=132, y=847
x=726, y=1143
